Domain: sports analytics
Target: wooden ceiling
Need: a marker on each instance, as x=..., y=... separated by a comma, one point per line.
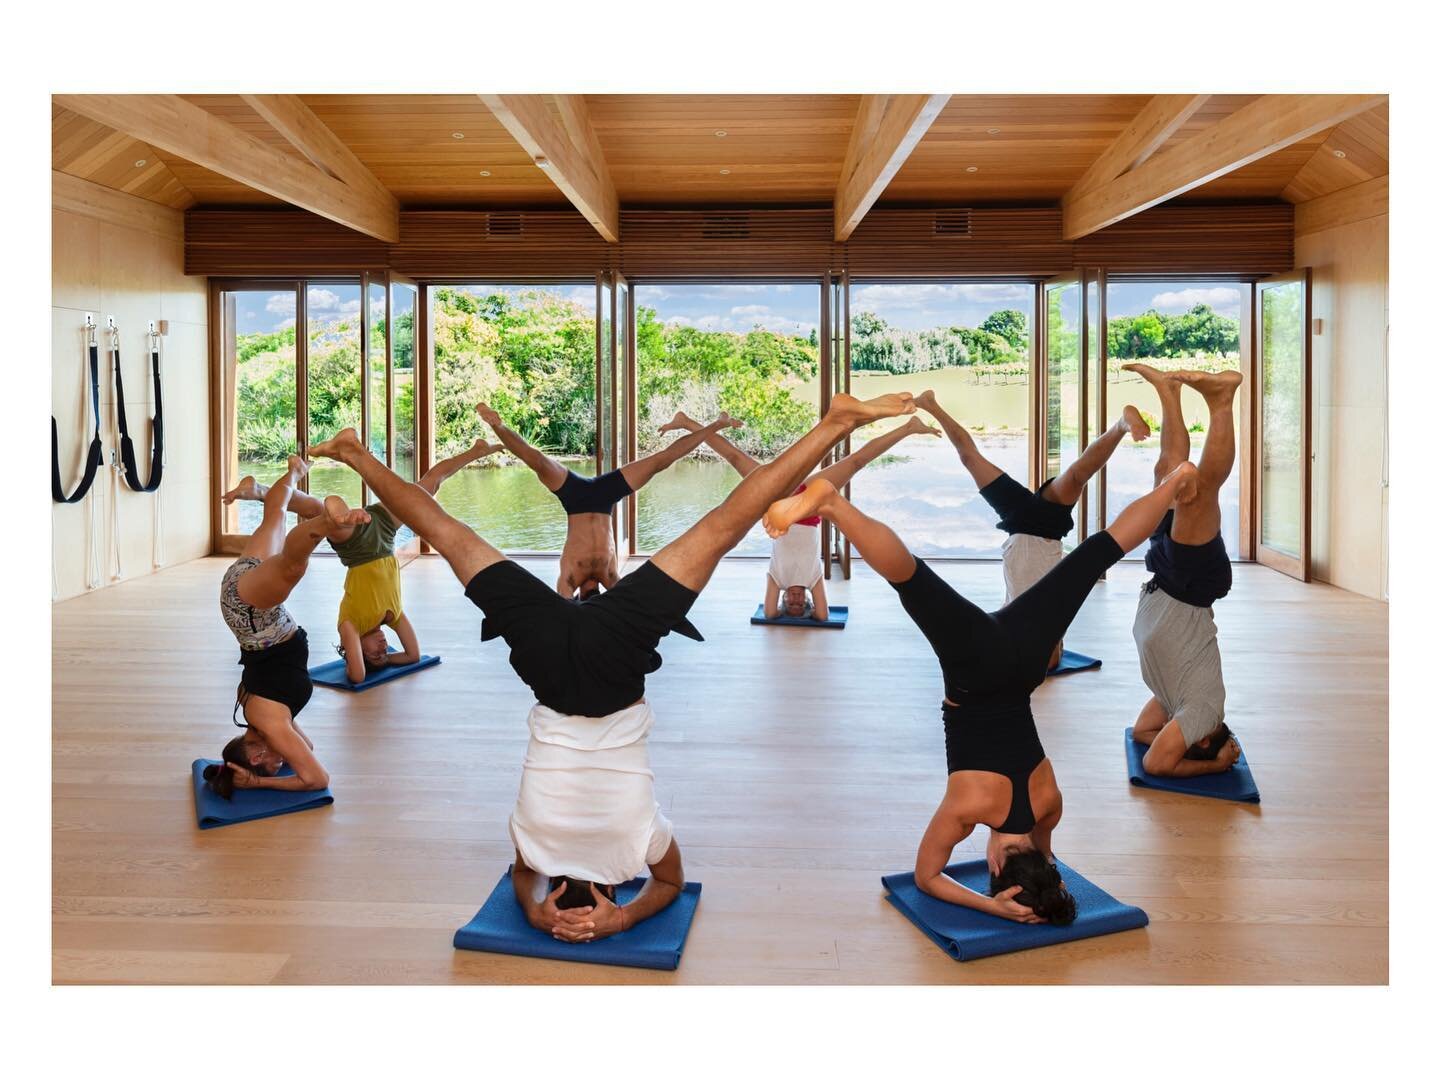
x=665, y=150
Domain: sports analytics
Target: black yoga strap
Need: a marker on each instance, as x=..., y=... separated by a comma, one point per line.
x=92, y=461
x=157, y=444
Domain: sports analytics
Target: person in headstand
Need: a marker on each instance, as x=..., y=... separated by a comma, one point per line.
x=1036, y=520
x=586, y=818
x=999, y=774
x=588, y=560
x=1183, y=723
x=275, y=684
x=795, y=578
x=371, y=599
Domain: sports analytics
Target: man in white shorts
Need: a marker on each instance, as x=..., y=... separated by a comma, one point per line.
x=1036, y=520
x=794, y=580
x=1183, y=723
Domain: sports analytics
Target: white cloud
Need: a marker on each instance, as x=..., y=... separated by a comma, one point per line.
x=923, y=297
x=280, y=303
x=1221, y=296
x=751, y=309
x=323, y=302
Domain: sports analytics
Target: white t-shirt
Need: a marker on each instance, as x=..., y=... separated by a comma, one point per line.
x=795, y=558
x=586, y=807
x=1026, y=559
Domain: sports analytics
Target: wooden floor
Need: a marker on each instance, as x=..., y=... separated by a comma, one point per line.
x=797, y=767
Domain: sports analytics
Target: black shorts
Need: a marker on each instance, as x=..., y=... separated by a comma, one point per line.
x=1193, y=573
x=1000, y=658
x=582, y=657
x=1027, y=512
x=583, y=494
x=280, y=673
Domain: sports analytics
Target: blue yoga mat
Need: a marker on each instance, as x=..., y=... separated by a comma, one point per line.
x=656, y=943
x=1235, y=784
x=333, y=674
x=1070, y=662
x=838, y=617
x=212, y=811
x=971, y=934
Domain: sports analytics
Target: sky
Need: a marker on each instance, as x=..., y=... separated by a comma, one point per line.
x=785, y=308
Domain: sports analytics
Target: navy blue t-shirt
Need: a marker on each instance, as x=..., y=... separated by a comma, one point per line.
x=1194, y=573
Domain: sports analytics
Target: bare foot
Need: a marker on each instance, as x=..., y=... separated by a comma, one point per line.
x=725, y=420
x=1131, y=418
x=296, y=466
x=680, y=422
x=917, y=426
x=784, y=513
x=1186, y=478
x=853, y=411
x=488, y=414
x=340, y=516
x=1218, y=389
x=346, y=441
x=925, y=399
x=1159, y=379
x=247, y=490
x=483, y=449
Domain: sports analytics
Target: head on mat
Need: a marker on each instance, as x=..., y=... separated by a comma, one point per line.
x=1040, y=884
x=1209, y=747
x=795, y=602
x=249, y=751
x=579, y=893
x=374, y=650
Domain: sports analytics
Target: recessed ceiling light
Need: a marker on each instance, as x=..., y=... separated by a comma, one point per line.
x=457, y=134
x=724, y=172
x=1339, y=153
x=484, y=172
x=720, y=134
x=972, y=168
x=992, y=131
x=141, y=163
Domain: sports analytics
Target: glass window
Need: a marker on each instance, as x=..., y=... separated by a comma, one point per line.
x=529, y=352
x=332, y=337
x=379, y=361
x=1282, y=404
x=258, y=360
x=1170, y=325
x=750, y=349
x=970, y=343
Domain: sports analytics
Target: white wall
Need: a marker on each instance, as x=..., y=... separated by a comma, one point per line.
x=1349, y=500
x=113, y=254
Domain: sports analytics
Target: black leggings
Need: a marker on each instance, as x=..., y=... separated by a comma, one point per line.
x=1008, y=652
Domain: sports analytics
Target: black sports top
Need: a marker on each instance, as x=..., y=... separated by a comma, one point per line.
x=584, y=494
x=997, y=735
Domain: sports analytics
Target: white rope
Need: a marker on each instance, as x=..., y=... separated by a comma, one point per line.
x=116, y=472
x=157, y=548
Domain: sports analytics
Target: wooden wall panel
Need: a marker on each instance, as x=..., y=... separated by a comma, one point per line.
x=1248, y=240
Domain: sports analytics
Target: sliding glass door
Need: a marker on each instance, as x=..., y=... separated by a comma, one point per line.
x=1062, y=355
x=1283, y=363
x=615, y=439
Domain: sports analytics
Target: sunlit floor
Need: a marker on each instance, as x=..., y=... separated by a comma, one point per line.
x=797, y=766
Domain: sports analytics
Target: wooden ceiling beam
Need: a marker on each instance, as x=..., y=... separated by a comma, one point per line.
x=305, y=131
x=568, y=151
x=887, y=128
x=1357, y=203
x=175, y=126
x=1151, y=129
x=1271, y=123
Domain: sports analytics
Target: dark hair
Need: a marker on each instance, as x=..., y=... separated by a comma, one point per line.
x=221, y=779
x=579, y=892
x=1218, y=737
x=370, y=668
x=1040, y=886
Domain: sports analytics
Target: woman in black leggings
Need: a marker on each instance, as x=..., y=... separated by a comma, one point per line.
x=991, y=663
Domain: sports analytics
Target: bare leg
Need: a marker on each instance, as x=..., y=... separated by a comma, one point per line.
x=981, y=469
x=1067, y=487
x=1151, y=721
x=551, y=472
x=692, y=558
x=1138, y=520
x=248, y=490
x=638, y=473
x=441, y=471
x=272, y=581
x=1199, y=520
x=882, y=549
x=737, y=458
x=466, y=552
x=1174, y=436
x=845, y=469
x=269, y=538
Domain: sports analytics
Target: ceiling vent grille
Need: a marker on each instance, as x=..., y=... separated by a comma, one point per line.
x=734, y=226
x=504, y=226
x=952, y=223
